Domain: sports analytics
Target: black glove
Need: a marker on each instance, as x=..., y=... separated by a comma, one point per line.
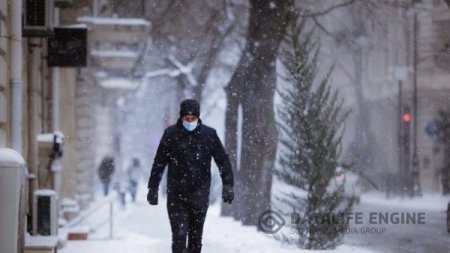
x=227, y=194
x=152, y=197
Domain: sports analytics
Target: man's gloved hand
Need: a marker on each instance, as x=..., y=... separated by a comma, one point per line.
x=227, y=194
x=152, y=197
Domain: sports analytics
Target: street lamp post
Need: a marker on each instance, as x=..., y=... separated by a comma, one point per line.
x=400, y=74
x=416, y=189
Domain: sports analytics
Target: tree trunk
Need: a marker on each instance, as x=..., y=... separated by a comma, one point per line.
x=366, y=147
x=231, y=141
x=255, y=76
x=362, y=118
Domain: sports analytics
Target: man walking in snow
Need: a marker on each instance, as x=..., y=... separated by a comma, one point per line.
x=187, y=148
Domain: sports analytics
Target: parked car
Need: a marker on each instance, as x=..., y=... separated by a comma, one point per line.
x=348, y=182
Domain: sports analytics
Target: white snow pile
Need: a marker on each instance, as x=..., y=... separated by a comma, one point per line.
x=144, y=228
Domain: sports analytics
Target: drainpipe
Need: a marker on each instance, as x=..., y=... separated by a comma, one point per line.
x=55, y=85
x=35, y=48
x=57, y=177
x=15, y=10
x=15, y=62
x=416, y=191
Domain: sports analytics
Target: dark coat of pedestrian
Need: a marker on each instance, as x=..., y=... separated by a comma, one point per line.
x=105, y=172
x=188, y=148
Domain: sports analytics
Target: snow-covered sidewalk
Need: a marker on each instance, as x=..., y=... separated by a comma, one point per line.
x=144, y=228
x=431, y=202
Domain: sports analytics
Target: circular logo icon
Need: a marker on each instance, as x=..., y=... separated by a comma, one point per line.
x=270, y=222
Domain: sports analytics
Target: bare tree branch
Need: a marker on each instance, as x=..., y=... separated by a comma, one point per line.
x=185, y=70
x=321, y=27
x=346, y=72
x=161, y=19
x=211, y=56
x=308, y=13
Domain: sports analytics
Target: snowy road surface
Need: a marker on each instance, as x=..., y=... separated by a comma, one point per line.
x=431, y=237
x=144, y=228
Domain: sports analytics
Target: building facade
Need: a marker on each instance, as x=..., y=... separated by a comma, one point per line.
x=391, y=60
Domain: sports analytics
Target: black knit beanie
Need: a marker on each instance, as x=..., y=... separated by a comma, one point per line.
x=190, y=107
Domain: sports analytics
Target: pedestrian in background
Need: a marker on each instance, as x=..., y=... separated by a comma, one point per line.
x=135, y=173
x=105, y=172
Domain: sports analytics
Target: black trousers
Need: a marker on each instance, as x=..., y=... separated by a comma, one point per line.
x=187, y=215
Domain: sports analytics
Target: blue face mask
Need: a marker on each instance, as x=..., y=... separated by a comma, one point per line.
x=190, y=126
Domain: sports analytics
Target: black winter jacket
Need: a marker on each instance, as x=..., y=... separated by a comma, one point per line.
x=188, y=155
x=106, y=169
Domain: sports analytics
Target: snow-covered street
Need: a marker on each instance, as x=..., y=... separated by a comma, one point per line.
x=432, y=236
x=144, y=228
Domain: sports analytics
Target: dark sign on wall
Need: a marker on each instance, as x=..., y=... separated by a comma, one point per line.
x=68, y=48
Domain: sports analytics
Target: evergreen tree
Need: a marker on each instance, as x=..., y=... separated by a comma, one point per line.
x=443, y=136
x=311, y=122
